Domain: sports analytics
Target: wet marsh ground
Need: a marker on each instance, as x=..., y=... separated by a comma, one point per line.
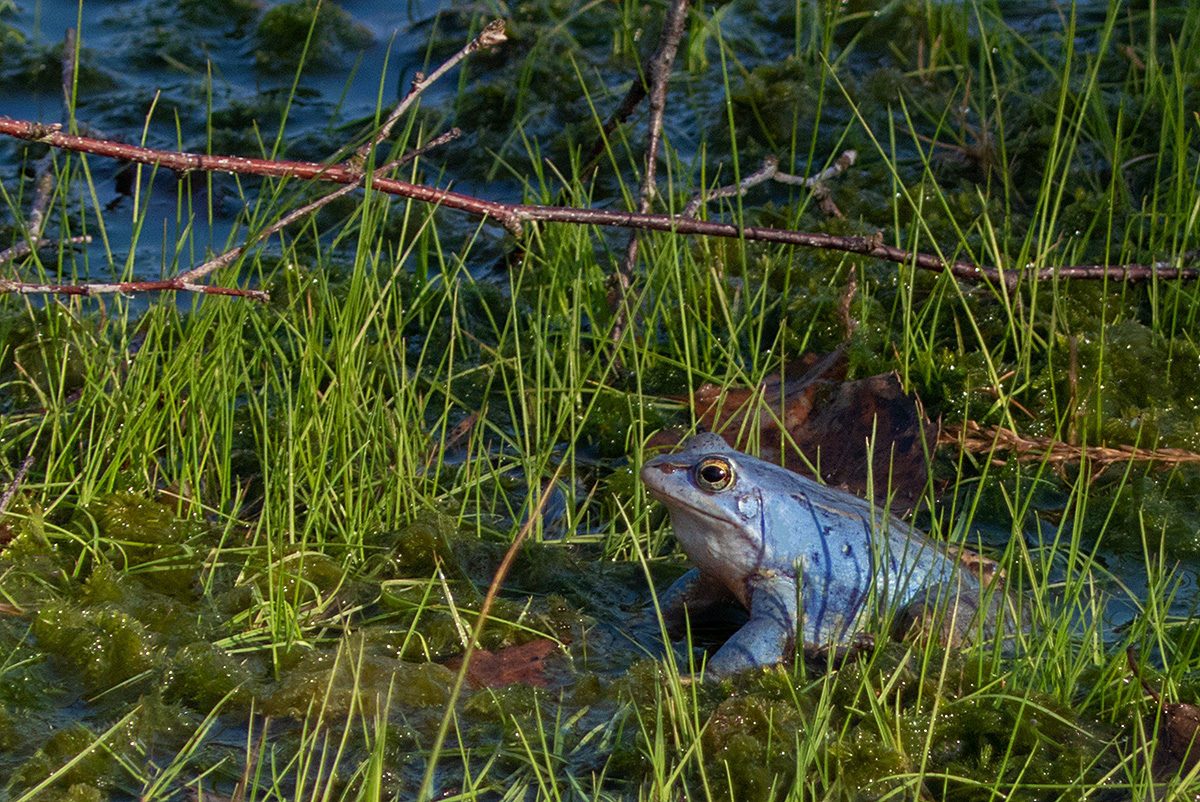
x=254, y=537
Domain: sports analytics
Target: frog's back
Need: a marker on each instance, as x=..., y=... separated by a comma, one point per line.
x=849, y=557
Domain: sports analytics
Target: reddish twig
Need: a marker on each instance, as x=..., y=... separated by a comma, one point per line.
x=230, y=256
x=492, y=34
x=511, y=216
x=25, y=288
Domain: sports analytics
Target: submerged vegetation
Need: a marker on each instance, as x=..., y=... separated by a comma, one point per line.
x=253, y=539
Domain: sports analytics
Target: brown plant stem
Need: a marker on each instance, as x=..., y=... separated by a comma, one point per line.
x=426, y=790
x=511, y=216
x=993, y=440
x=29, y=288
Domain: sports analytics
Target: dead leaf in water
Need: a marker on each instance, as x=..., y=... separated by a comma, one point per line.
x=775, y=400
x=1174, y=751
x=523, y=665
x=849, y=430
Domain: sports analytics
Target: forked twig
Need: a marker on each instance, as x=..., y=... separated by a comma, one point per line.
x=233, y=254
x=512, y=215
x=769, y=171
x=492, y=34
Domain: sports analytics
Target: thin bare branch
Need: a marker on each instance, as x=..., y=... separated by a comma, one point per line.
x=843, y=163
x=43, y=189
x=26, y=288
x=43, y=185
x=637, y=89
x=976, y=439
x=769, y=168
x=233, y=254
x=68, y=74
x=11, y=491
x=24, y=248
x=659, y=75
x=493, y=34
x=769, y=171
x=511, y=216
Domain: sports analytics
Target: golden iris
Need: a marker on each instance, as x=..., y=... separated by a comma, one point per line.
x=715, y=474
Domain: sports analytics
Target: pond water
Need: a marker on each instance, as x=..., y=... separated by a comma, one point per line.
x=151, y=72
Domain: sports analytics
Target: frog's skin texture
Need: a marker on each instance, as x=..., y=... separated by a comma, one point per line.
x=801, y=557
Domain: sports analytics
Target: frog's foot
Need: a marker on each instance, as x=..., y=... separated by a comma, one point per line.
x=824, y=657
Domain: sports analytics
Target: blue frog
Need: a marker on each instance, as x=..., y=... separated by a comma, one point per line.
x=804, y=559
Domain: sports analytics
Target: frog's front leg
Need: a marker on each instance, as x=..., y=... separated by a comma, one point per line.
x=691, y=596
x=769, y=637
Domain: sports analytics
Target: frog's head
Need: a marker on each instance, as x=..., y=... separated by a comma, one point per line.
x=716, y=497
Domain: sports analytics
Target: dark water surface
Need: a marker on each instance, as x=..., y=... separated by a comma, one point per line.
x=150, y=72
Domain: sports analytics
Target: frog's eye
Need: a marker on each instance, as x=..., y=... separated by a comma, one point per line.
x=715, y=474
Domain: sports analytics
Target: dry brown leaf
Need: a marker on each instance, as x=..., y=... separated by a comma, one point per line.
x=524, y=665
x=856, y=433
x=1177, y=727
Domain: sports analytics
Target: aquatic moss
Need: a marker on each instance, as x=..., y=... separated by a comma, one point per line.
x=147, y=536
x=752, y=741
x=103, y=646
x=83, y=781
x=202, y=674
x=282, y=31
x=234, y=13
x=335, y=683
